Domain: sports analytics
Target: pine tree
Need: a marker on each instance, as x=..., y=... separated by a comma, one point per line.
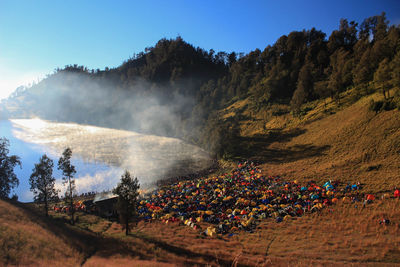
x=128, y=192
x=395, y=66
x=8, y=179
x=68, y=172
x=42, y=182
x=304, y=88
x=382, y=77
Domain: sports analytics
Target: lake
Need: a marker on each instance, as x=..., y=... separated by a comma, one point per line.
x=100, y=155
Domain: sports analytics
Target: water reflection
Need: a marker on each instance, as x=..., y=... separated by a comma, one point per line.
x=99, y=154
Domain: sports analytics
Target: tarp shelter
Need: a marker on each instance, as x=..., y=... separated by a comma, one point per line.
x=105, y=204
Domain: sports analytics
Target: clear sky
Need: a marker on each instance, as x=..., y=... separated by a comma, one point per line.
x=37, y=36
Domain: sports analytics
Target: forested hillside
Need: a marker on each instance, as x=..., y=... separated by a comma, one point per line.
x=182, y=89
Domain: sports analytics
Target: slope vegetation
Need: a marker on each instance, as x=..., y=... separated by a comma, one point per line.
x=346, y=141
x=354, y=144
x=28, y=239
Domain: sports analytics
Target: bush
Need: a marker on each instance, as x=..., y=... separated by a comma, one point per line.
x=397, y=103
x=396, y=99
x=276, y=111
x=382, y=105
x=388, y=105
x=375, y=106
x=14, y=197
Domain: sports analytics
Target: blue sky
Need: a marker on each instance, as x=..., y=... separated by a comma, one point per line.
x=38, y=36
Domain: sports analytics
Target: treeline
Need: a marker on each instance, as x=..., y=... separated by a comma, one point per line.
x=305, y=66
x=300, y=67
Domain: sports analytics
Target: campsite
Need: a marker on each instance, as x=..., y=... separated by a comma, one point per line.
x=199, y=133
x=302, y=231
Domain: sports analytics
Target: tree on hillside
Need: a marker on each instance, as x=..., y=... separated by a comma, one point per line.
x=42, y=182
x=363, y=71
x=395, y=66
x=8, y=179
x=68, y=172
x=382, y=77
x=128, y=192
x=340, y=72
x=304, y=88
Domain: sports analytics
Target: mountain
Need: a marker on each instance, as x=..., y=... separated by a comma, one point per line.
x=175, y=89
x=307, y=108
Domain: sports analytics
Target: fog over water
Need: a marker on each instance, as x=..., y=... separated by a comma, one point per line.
x=99, y=154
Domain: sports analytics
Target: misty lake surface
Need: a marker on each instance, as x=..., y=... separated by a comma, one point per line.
x=100, y=155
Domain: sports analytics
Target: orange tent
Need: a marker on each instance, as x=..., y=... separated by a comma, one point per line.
x=370, y=197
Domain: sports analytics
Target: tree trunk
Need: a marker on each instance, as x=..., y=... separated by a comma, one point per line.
x=127, y=220
x=71, y=202
x=45, y=205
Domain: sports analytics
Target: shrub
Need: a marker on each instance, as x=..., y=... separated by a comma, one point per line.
x=388, y=105
x=396, y=99
x=375, y=106
x=14, y=197
x=382, y=105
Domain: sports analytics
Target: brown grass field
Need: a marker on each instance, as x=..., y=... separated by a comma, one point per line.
x=26, y=238
x=347, y=143
x=354, y=144
x=342, y=235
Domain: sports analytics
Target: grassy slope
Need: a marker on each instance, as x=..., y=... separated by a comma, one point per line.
x=354, y=144
x=340, y=235
x=345, y=142
x=26, y=239
x=348, y=143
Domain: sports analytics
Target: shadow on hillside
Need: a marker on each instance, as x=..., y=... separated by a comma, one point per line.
x=84, y=242
x=293, y=153
x=277, y=135
x=188, y=254
x=281, y=136
x=258, y=147
x=89, y=244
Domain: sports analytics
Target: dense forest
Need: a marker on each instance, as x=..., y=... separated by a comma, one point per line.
x=192, y=85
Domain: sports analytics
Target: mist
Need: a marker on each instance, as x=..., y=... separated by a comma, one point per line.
x=103, y=101
x=127, y=126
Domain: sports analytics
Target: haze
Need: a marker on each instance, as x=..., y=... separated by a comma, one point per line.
x=149, y=157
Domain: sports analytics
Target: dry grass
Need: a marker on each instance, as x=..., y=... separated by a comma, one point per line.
x=122, y=261
x=340, y=235
x=24, y=242
x=354, y=144
x=359, y=146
